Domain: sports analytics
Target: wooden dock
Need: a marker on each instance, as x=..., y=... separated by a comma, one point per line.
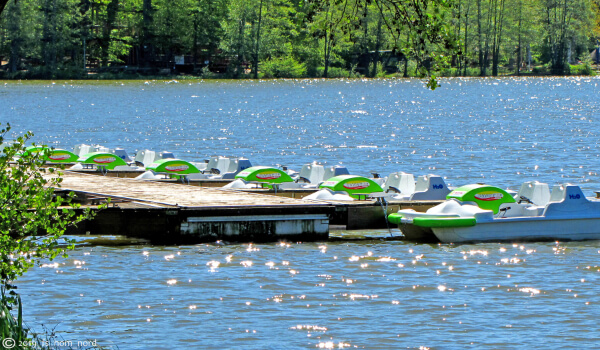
x=172, y=194
x=172, y=213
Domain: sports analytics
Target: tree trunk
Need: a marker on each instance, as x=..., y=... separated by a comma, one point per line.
x=195, y=38
x=520, y=44
x=405, y=75
x=377, y=46
x=459, y=17
x=111, y=15
x=480, y=39
x=15, y=33
x=466, y=47
x=49, y=34
x=240, y=49
x=257, y=48
x=498, y=27
x=147, y=42
x=365, y=42
x=327, y=41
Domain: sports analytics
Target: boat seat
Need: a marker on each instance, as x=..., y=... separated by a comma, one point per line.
x=145, y=157
x=572, y=204
x=217, y=165
x=400, y=182
x=421, y=184
x=313, y=173
x=333, y=171
x=430, y=187
x=122, y=153
x=379, y=180
x=536, y=192
x=236, y=166
x=212, y=163
x=166, y=155
x=81, y=149
x=223, y=165
x=99, y=148
x=558, y=193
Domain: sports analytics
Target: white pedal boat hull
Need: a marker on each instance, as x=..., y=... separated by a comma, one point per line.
x=522, y=229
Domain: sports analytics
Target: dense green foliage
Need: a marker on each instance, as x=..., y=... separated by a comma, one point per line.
x=32, y=217
x=32, y=220
x=295, y=38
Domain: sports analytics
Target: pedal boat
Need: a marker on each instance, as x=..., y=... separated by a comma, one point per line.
x=481, y=213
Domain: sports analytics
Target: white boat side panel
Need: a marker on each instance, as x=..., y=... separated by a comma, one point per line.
x=522, y=229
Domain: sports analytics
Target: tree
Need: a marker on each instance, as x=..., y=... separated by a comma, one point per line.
x=430, y=37
x=207, y=18
x=15, y=29
x=238, y=36
x=275, y=34
x=565, y=22
x=328, y=26
x=523, y=30
x=146, y=44
x=173, y=36
x=59, y=17
x=32, y=217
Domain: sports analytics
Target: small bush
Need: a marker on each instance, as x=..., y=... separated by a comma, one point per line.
x=582, y=69
x=450, y=72
x=281, y=67
x=207, y=74
x=540, y=70
x=337, y=72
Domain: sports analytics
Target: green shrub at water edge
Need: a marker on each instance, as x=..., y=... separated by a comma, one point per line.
x=582, y=69
x=283, y=67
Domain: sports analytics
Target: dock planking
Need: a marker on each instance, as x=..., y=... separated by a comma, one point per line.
x=169, y=213
x=172, y=194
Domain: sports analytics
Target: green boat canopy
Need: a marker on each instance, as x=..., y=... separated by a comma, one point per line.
x=173, y=166
x=487, y=197
x=352, y=184
x=56, y=155
x=264, y=174
x=102, y=159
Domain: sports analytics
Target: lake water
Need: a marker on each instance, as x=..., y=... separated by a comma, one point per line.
x=372, y=294
x=500, y=131
x=365, y=295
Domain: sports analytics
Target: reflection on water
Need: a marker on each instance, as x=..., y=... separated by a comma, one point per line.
x=369, y=294
x=502, y=131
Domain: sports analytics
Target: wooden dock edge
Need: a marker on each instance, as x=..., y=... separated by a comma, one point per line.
x=168, y=226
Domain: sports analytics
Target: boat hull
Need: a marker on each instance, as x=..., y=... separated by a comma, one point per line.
x=522, y=229
x=418, y=234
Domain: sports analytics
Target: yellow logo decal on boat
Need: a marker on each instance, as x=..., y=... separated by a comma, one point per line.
x=268, y=176
x=177, y=167
x=356, y=185
x=104, y=160
x=489, y=196
x=59, y=156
